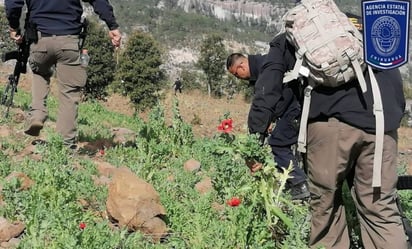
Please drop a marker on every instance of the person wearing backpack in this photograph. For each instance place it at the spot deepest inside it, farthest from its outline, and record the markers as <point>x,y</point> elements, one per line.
<point>284,135</point>
<point>341,137</point>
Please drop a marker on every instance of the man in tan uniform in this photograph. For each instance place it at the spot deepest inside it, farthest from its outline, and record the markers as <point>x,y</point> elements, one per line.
<point>58,25</point>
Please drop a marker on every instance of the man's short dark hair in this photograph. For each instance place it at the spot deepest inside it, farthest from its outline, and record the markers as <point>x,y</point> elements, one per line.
<point>231,59</point>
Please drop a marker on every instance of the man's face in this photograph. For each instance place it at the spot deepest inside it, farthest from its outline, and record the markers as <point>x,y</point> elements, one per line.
<point>240,69</point>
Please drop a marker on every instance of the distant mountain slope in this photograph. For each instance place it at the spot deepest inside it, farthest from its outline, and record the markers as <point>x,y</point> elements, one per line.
<point>180,25</point>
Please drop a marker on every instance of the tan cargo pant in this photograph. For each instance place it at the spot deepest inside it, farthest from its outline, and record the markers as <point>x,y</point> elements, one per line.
<point>63,52</point>
<point>333,149</point>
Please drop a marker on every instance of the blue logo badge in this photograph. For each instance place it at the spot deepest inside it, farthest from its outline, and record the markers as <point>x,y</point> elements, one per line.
<point>385,32</point>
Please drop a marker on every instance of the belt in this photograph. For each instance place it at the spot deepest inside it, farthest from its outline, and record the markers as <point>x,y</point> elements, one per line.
<point>324,119</point>
<point>51,35</point>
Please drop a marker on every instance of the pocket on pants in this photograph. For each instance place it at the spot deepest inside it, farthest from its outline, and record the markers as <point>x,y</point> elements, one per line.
<point>39,60</point>
<point>72,75</point>
<point>70,54</point>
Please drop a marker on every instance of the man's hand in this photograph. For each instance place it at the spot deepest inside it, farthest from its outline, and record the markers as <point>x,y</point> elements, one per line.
<point>270,128</point>
<point>116,37</point>
<point>253,166</point>
<point>15,35</point>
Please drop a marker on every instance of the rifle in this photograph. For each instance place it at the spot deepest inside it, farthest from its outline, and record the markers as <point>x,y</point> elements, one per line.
<point>83,33</point>
<point>21,55</point>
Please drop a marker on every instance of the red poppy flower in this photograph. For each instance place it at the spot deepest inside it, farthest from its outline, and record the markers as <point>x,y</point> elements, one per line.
<point>226,126</point>
<point>82,225</point>
<point>101,152</point>
<point>234,202</point>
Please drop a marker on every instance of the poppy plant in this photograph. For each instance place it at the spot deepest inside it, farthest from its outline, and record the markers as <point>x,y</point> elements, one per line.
<point>234,202</point>
<point>226,126</point>
<point>82,225</point>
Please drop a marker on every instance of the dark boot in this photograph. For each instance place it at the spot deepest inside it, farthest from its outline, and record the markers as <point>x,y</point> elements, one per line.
<point>299,191</point>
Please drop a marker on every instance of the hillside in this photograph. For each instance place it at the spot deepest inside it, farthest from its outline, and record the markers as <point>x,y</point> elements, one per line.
<point>176,170</point>
<point>204,112</point>
<point>51,198</point>
<point>181,25</point>
<point>170,183</point>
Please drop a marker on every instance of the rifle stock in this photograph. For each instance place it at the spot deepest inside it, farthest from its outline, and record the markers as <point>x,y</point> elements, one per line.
<point>10,56</point>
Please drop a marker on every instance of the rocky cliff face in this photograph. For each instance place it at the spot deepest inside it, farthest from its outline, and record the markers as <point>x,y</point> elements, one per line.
<point>248,12</point>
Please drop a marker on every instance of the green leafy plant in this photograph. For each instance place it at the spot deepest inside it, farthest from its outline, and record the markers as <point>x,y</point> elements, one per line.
<point>100,71</point>
<point>138,74</point>
<point>269,182</point>
<point>211,61</point>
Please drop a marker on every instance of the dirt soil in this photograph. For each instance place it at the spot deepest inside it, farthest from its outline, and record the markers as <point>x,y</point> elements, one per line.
<point>196,108</point>
<point>204,112</point>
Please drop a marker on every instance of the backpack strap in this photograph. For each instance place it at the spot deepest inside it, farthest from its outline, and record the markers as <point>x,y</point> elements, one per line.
<point>298,69</point>
<point>359,74</point>
<point>380,129</point>
<point>304,117</point>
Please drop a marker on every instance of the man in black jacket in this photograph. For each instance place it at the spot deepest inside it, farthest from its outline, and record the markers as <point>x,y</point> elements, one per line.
<point>178,86</point>
<point>287,113</point>
<point>341,137</point>
<point>57,25</point>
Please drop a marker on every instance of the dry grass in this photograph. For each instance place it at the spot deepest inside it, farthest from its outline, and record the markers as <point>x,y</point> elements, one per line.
<point>405,139</point>
<point>405,148</point>
<point>203,112</point>
<point>196,108</point>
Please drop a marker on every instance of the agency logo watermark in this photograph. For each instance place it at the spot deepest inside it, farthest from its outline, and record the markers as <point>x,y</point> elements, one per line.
<point>386,32</point>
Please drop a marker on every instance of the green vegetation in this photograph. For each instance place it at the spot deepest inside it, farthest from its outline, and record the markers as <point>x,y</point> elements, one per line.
<point>211,61</point>
<point>407,90</point>
<point>190,79</point>
<point>52,207</point>
<point>138,75</point>
<point>101,68</point>
<point>6,44</point>
<point>171,25</point>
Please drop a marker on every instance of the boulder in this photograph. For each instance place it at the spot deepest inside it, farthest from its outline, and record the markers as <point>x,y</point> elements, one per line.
<point>10,230</point>
<point>135,204</point>
<point>123,136</point>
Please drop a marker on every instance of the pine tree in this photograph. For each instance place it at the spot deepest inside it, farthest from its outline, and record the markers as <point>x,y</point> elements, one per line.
<point>211,61</point>
<point>100,72</point>
<point>6,44</point>
<point>139,75</point>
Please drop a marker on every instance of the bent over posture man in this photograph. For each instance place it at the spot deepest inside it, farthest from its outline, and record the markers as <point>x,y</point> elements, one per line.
<point>287,113</point>
<point>58,25</point>
<point>341,137</point>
